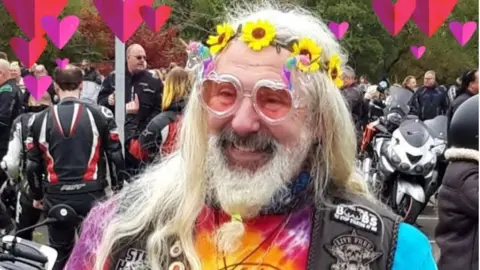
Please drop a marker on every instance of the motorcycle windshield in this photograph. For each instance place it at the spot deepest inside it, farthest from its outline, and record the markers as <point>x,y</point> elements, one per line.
<point>398,99</point>
<point>414,132</point>
<point>438,127</point>
<point>90,91</point>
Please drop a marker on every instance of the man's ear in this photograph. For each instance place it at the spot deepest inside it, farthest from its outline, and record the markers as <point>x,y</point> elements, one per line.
<point>80,86</point>
<point>56,88</point>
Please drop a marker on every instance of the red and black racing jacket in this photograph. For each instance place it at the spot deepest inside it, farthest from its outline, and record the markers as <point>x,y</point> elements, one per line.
<point>75,140</point>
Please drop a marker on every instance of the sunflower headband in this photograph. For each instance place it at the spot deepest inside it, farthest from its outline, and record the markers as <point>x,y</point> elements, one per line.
<point>305,53</point>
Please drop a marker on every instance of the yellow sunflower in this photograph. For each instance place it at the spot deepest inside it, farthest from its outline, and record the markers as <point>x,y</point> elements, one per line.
<point>334,70</point>
<point>308,47</point>
<point>258,35</point>
<point>225,33</point>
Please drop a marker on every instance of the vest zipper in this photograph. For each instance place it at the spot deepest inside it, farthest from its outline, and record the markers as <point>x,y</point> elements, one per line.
<point>315,231</point>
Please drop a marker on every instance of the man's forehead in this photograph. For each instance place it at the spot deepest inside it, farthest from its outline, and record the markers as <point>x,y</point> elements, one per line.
<point>137,51</point>
<point>238,55</point>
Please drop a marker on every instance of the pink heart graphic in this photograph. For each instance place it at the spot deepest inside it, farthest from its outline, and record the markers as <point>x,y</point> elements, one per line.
<point>418,51</point>
<point>28,52</point>
<point>155,19</point>
<point>62,63</point>
<point>122,17</point>
<point>60,32</point>
<point>463,32</point>
<point>37,87</point>
<point>429,15</point>
<point>393,16</point>
<point>338,30</point>
<point>28,13</point>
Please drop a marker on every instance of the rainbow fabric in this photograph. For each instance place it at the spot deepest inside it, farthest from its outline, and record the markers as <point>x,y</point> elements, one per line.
<point>285,242</point>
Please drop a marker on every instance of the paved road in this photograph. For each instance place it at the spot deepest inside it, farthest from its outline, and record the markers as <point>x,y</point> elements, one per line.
<point>428,220</point>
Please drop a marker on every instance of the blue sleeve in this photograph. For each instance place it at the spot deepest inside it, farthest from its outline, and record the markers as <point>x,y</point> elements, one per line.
<point>414,251</point>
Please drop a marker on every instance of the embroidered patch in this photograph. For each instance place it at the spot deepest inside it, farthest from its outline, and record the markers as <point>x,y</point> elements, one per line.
<point>106,112</point>
<point>357,216</point>
<point>148,90</point>
<point>352,251</point>
<point>135,259</point>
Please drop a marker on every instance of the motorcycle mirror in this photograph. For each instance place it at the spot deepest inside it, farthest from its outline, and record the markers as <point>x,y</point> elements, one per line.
<point>63,213</point>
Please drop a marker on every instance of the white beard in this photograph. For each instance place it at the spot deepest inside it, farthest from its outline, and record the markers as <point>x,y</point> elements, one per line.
<point>244,192</point>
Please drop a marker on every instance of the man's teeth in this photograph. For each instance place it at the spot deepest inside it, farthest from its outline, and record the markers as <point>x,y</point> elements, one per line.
<point>242,148</point>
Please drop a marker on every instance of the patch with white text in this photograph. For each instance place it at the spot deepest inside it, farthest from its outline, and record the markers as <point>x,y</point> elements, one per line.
<point>357,216</point>
<point>148,90</point>
<point>352,251</point>
<point>135,259</point>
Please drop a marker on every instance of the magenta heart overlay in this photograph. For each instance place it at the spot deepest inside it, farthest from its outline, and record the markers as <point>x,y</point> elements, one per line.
<point>463,32</point>
<point>418,51</point>
<point>122,17</point>
<point>62,63</point>
<point>60,32</point>
<point>155,19</point>
<point>37,87</point>
<point>394,16</point>
<point>337,29</point>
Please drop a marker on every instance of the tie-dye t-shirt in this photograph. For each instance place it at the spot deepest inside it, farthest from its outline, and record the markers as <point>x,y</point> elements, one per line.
<point>272,242</point>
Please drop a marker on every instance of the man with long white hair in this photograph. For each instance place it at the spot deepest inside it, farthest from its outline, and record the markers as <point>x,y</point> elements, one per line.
<point>263,178</point>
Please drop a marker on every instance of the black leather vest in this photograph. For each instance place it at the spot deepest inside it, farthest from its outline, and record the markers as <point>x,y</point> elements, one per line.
<point>352,235</point>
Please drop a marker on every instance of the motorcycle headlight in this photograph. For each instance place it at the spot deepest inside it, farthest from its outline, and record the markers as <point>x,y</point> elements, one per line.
<point>391,156</point>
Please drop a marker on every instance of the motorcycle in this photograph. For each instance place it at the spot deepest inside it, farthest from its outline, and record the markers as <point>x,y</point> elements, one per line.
<point>19,254</point>
<point>389,116</point>
<point>405,158</point>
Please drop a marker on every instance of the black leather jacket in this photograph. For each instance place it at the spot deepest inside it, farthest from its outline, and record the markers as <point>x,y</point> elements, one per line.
<point>428,103</point>
<point>75,140</point>
<point>148,89</point>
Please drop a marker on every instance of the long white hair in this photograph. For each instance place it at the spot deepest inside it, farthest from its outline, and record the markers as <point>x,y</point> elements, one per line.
<point>166,200</point>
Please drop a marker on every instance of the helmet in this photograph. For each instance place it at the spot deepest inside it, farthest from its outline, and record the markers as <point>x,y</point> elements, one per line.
<point>463,130</point>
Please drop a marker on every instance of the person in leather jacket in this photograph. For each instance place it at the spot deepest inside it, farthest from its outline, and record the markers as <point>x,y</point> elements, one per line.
<point>354,98</point>
<point>457,228</point>
<point>75,140</point>
<point>264,177</point>
<point>10,108</point>
<point>17,193</point>
<point>430,100</point>
<point>139,83</point>
<point>159,137</point>
<point>90,73</point>
<point>468,89</point>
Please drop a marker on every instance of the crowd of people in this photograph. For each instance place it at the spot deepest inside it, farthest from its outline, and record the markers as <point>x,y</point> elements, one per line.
<point>244,158</point>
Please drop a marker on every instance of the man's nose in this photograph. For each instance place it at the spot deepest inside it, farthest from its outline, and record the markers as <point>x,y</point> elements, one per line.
<point>245,119</point>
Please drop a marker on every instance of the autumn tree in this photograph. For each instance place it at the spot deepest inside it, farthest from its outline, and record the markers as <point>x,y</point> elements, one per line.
<point>162,47</point>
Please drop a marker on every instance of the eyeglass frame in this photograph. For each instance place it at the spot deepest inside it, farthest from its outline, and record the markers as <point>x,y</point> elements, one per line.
<point>241,94</point>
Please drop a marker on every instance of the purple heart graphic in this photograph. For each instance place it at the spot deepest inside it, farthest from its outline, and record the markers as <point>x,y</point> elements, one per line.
<point>60,32</point>
<point>37,87</point>
<point>62,63</point>
<point>463,32</point>
<point>338,30</point>
<point>418,51</point>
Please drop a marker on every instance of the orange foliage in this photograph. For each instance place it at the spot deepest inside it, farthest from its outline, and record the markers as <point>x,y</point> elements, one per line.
<point>162,47</point>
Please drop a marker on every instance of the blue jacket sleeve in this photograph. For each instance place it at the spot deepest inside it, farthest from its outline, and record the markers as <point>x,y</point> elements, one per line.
<point>414,251</point>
